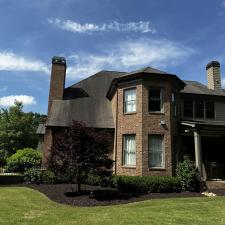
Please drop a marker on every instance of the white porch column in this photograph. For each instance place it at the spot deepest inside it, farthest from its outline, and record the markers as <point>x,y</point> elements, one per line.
<point>198,152</point>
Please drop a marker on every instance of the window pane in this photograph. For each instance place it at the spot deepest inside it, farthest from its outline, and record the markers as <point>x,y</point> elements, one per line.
<point>155,100</point>
<point>188,108</point>
<point>129,151</point>
<point>130,100</point>
<point>199,108</point>
<point>210,111</point>
<point>156,154</point>
<point>174,102</point>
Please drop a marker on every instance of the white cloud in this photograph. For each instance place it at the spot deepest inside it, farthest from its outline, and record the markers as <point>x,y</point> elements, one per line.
<point>223,3</point>
<point>72,26</point>
<point>129,55</point>
<point>10,61</point>
<point>8,101</point>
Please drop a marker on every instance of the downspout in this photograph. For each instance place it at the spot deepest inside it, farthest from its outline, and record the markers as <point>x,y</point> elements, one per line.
<point>116,131</point>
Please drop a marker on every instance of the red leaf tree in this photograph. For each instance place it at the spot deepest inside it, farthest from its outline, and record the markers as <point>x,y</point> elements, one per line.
<point>79,151</point>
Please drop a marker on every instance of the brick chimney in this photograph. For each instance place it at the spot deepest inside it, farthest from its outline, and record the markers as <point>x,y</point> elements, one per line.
<point>57,82</point>
<point>213,75</point>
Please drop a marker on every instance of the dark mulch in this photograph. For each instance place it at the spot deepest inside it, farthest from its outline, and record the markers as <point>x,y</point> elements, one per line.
<point>63,193</point>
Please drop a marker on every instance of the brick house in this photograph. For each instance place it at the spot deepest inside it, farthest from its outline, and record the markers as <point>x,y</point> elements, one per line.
<point>155,117</point>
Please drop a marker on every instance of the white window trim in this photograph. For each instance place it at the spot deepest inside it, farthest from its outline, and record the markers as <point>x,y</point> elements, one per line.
<point>123,151</point>
<point>124,101</point>
<point>163,152</point>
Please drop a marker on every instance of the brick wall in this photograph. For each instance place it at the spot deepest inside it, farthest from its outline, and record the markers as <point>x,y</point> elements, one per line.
<point>142,124</point>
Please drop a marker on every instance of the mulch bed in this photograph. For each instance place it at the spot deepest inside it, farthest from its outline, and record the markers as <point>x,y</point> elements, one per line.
<point>61,193</point>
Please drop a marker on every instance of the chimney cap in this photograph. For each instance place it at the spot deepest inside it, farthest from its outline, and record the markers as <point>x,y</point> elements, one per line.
<point>213,64</point>
<point>58,60</point>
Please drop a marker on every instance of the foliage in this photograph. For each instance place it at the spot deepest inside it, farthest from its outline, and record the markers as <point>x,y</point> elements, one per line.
<point>154,184</point>
<point>33,175</point>
<point>3,157</point>
<point>17,128</point>
<point>79,151</point>
<point>24,159</point>
<point>48,177</point>
<point>188,175</point>
<point>11,179</point>
<point>38,176</point>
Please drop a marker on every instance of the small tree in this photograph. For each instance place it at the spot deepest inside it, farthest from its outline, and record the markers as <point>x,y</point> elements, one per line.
<point>80,150</point>
<point>188,175</point>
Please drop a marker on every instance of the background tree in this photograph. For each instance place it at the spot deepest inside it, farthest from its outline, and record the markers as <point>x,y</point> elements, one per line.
<point>17,129</point>
<point>80,151</point>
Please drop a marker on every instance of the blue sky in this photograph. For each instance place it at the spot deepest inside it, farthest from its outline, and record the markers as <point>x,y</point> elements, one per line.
<point>180,37</point>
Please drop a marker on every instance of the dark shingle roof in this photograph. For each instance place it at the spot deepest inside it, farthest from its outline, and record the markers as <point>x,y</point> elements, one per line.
<point>95,110</point>
<point>194,87</point>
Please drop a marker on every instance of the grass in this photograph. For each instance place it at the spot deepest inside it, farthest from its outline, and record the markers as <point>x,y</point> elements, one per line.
<point>19,205</point>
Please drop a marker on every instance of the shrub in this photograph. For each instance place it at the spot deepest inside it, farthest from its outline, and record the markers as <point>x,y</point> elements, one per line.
<point>146,184</point>
<point>188,175</point>
<point>93,180</point>
<point>33,175</point>
<point>48,177</point>
<point>38,176</point>
<point>24,159</point>
<point>11,179</point>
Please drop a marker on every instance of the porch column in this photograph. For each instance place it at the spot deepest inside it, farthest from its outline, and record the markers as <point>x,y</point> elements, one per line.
<point>198,151</point>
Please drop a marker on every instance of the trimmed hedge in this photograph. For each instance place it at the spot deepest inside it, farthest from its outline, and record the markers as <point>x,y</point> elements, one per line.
<point>154,184</point>
<point>11,179</point>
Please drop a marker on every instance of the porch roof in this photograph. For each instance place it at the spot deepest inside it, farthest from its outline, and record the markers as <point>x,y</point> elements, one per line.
<point>203,123</point>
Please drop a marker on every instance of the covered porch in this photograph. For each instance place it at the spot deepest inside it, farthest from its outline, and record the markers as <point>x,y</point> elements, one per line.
<point>204,142</point>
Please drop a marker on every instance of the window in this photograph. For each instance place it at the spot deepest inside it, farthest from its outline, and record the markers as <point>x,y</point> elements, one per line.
<point>188,108</point>
<point>129,150</point>
<point>155,100</point>
<point>130,100</point>
<point>174,103</point>
<point>156,151</point>
<point>209,110</point>
<point>199,109</point>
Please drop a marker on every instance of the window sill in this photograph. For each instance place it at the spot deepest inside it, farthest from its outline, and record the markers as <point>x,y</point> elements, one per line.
<point>129,113</point>
<point>156,169</point>
<point>128,167</point>
<point>156,113</point>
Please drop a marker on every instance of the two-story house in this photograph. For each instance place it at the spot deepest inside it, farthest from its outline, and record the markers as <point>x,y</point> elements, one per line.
<point>155,117</point>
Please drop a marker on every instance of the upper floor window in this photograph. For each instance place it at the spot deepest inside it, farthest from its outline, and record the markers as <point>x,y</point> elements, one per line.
<point>155,100</point>
<point>174,104</point>
<point>201,109</point>
<point>130,100</point>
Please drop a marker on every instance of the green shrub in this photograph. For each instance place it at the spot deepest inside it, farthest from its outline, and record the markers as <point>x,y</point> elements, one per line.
<point>93,180</point>
<point>48,177</point>
<point>33,175</point>
<point>11,179</point>
<point>38,176</point>
<point>157,184</point>
<point>188,175</point>
<point>24,159</point>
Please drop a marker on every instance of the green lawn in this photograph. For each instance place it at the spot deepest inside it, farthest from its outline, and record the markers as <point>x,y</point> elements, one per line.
<point>20,205</point>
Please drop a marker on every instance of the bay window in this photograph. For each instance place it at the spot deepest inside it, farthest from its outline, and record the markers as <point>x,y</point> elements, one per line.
<point>155,100</point>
